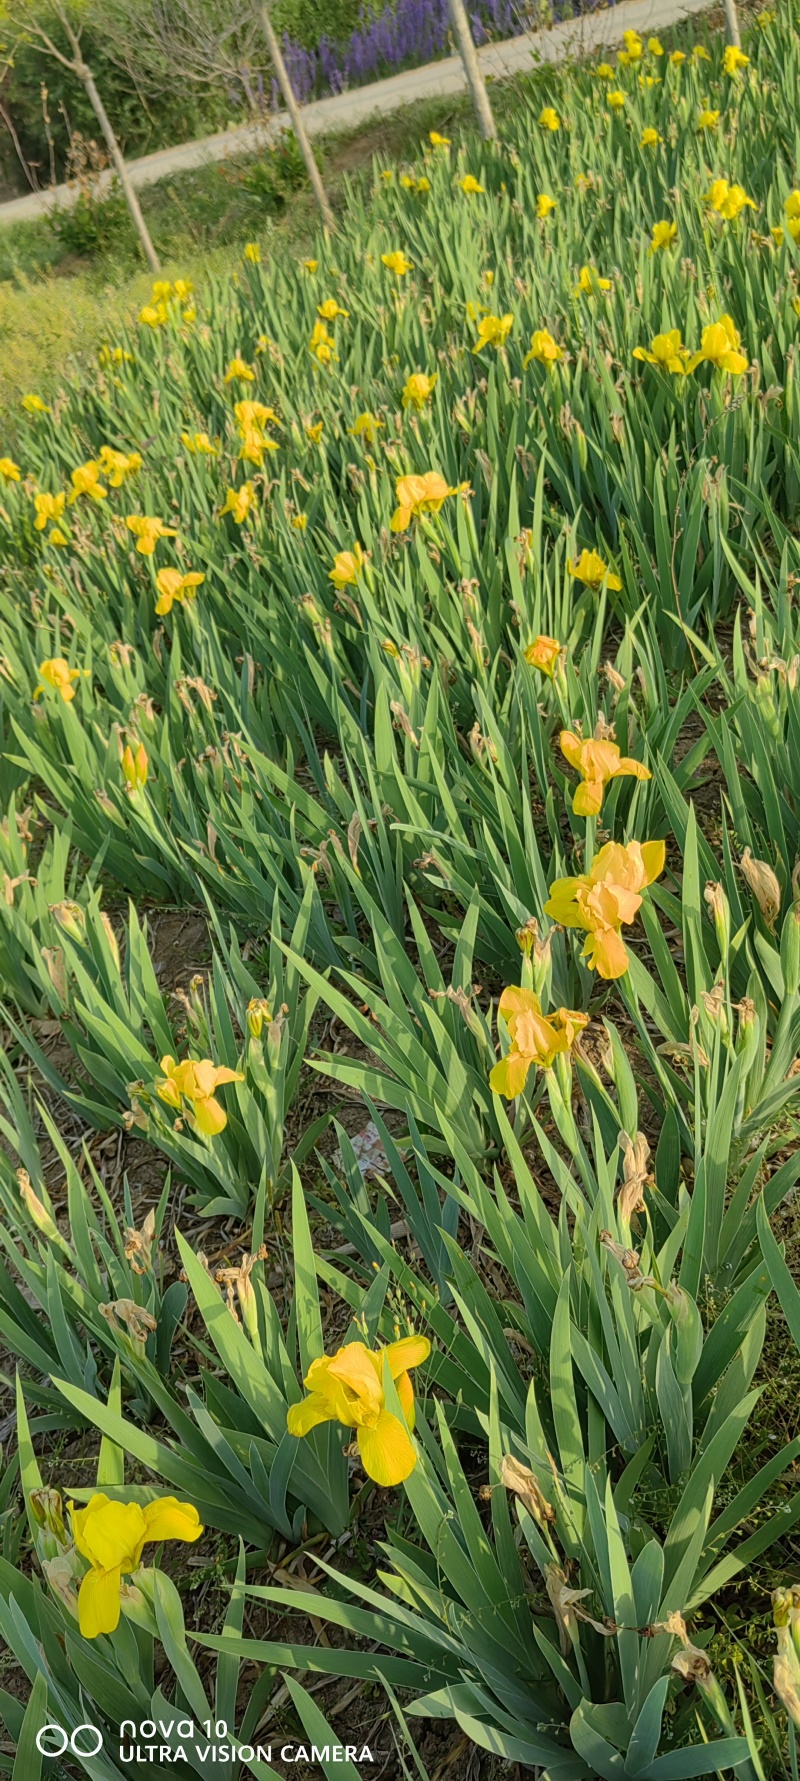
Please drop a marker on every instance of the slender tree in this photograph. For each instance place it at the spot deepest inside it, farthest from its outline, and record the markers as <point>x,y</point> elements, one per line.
<point>472,69</point>
<point>732,32</point>
<point>29,23</point>
<point>296,116</point>
<point>204,43</point>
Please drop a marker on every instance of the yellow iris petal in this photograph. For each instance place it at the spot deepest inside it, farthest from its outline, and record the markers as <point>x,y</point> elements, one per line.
<point>405,1393</point>
<point>109,1534</point>
<point>99,1603</point>
<point>588,799</point>
<point>606,953</point>
<point>302,1418</point>
<point>209,1116</point>
<point>654,855</point>
<point>387,1451</point>
<point>509,1076</point>
<point>410,1351</point>
<point>168,1519</point>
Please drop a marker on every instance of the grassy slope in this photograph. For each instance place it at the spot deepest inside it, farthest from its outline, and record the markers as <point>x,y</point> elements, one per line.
<point>56,308</point>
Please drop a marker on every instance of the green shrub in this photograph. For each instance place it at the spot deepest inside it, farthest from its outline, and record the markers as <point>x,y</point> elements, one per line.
<point>96,223</point>
<point>281,172</point>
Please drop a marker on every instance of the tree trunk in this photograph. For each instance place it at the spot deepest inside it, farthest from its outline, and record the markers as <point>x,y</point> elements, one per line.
<point>85,74</point>
<point>732,31</point>
<point>472,69</point>
<point>9,124</point>
<point>297,118</point>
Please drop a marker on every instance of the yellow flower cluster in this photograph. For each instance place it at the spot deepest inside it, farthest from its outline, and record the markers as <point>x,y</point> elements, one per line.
<point>166,301</point>
<point>720,346</point>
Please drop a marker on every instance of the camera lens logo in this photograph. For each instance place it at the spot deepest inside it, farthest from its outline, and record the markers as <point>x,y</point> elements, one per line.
<point>53,1740</point>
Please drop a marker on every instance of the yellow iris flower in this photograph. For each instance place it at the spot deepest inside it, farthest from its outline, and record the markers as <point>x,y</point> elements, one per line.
<point>254,414</point>
<point>472,186</point>
<point>536,1038</point>
<point>708,119</point>
<point>86,481</point>
<point>252,253</point>
<point>239,370</point>
<point>664,235</point>
<point>544,205</point>
<point>114,355</point>
<point>254,444</point>
<point>147,530</point>
<point>195,1081</point>
<point>397,262</point>
<point>549,118</point>
<point>616,100</point>
<point>238,503</point>
<point>417,389</point>
<point>593,572</point>
<point>112,1537</point>
<point>330,309</point>
<point>347,1387</point>
<point>35,405</point>
<point>720,347</point>
<point>9,471</point>
<point>543,348</point>
<point>589,283</point>
<point>417,495</point>
<point>172,586</point>
<point>606,898</point>
<point>200,445</point>
<point>309,267</point>
<point>543,653</point>
<point>792,209</point>
<point>49,509</point>
<point>597,763</point>
<point>666,353</point>
<point>117,465</point>
<point>154,315</point>
<point>727,200</point>
<point>57,674</point>
<point>734,59</point>
<point>365,426</point>
<point>493,330</point>
<point>347,566</point>
<point>322,345</point>
<point>649,138</point>
<point>438,141</point>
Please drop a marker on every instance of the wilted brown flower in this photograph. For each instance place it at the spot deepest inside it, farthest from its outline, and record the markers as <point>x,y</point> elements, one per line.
<point>139,1244</point>
<point>635,1177</point>
<point>522,1483</point>
<point>761,880</point>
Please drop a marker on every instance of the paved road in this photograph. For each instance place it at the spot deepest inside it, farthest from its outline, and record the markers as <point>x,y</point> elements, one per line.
<point>437,80</point>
